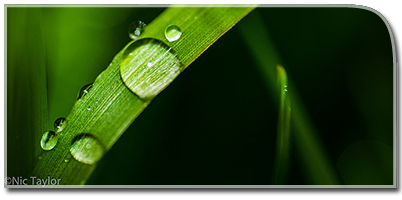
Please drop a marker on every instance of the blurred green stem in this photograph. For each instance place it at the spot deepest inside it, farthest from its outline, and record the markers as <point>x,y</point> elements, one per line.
<point>283,137</point>
<point>308,146</point>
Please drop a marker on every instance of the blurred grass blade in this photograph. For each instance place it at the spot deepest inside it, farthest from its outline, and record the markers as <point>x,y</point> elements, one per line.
<point>283,136</point>
<point>100,117</point>
<point>27,107</point>
<point>316,163</point>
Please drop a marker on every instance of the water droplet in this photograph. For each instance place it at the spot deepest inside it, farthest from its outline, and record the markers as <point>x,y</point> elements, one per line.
<point>49,140</point>
<point>148,66</point>
<point>39,157</point>
<point>84,90</point>
<point>172,33</point>
<point>89,108</point>
<point>59,124</point>
<point>135,29</point>
<point>66,160</point>
<point>87,149</point>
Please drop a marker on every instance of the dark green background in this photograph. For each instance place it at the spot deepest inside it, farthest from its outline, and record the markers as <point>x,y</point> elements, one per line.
<point>216,123</point>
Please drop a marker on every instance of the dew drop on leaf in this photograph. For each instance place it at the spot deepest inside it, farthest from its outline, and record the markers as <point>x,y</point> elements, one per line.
<point>148,66</point>
<point>49,140</point>
<point>84,90</point>
<point>59,124</point>
<point>87,149</point>
<point>172,33</point>
<point>135,29</point>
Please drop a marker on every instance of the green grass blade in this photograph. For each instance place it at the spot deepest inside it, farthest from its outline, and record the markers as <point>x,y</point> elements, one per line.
<point>101,116</point>
<point>27,106</point>
<point>283,135</point>
<point>316,163</point>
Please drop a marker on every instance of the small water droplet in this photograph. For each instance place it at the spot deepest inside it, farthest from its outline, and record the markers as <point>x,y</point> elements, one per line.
<point>172,33</point>
<point>49,140</point>
<point>59,124</point>
<point>87,149</point>
<point>135,29</point>
<point>39,157</point>
<point>149,64</point>
<point>66,160</point>
<point>84,90</point>
<point>89,108</point>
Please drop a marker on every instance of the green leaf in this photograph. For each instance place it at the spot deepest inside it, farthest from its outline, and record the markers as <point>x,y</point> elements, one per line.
<point>27,106</point>
<point>283,135</point>
<point>101,116</point>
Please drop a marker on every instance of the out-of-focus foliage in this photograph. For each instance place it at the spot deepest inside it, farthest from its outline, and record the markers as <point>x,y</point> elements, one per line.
<point>216,123</point>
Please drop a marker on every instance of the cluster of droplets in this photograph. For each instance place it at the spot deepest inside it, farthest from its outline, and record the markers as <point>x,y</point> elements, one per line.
<point>172,32</point>
<point>50,138</point>
<point>85,148</point>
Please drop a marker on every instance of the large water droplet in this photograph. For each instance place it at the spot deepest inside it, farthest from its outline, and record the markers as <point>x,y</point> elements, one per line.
<point>135,29</point>
<point>84,90</point>
<point>59,124</point>
<point>49,140</point>
<point>87,149</point>
<point>148,66</point>
<point>172,33</point>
